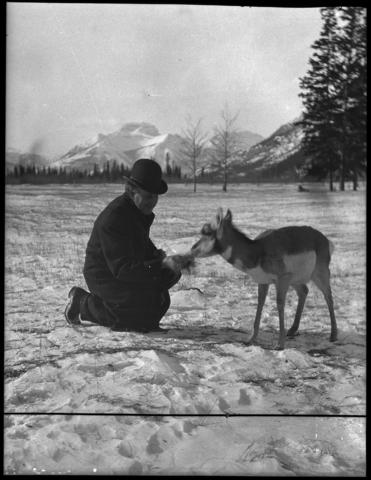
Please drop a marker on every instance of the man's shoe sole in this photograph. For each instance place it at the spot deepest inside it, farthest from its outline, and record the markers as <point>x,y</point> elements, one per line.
<point>75,319</point>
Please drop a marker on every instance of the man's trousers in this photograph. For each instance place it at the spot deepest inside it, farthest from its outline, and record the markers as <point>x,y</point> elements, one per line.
<point>115,305</point>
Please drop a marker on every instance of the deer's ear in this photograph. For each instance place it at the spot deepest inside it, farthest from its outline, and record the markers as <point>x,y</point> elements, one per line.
<point>219,217</point>
<point>228,216</point>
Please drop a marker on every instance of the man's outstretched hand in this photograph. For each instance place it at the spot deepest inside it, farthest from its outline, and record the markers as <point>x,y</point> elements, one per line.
<point>179,262</point>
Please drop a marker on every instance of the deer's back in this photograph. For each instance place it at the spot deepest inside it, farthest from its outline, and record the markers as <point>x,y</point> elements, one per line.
<point>292,240</point>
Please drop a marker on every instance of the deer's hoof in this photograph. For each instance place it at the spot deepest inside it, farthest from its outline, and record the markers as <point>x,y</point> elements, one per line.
<point>292,333</point>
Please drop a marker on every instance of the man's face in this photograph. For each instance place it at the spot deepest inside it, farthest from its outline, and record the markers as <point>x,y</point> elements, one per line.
<point>145,201</point>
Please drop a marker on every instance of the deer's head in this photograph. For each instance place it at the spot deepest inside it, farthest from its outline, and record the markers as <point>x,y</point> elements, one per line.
<point>213,236</point>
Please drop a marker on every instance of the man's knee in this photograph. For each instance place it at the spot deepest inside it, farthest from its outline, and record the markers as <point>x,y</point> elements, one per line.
<point>128,307</point>
<point>165,301</point>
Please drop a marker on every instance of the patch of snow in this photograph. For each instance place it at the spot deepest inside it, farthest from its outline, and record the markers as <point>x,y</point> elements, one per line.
<point>201,366</point>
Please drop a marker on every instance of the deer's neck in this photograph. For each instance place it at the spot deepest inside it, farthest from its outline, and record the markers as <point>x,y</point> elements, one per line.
<point>239,250</point>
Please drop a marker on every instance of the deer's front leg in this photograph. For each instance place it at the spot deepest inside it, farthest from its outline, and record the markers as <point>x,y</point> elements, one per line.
<point>282,285</point>
<point>302,291</point>
<point>262,295</point>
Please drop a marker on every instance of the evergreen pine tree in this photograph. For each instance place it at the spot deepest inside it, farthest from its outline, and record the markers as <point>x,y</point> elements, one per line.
<point>319,99</point>
<point>168,169</point>
<point>114,173</point>
<point>352,92</point>
<point>334,97</point>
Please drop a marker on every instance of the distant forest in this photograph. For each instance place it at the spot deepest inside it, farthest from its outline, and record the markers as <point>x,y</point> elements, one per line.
<point>111,173</point>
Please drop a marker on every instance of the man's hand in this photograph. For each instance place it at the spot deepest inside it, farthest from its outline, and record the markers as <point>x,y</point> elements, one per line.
<point>179,262</point>
<point>160,253</point>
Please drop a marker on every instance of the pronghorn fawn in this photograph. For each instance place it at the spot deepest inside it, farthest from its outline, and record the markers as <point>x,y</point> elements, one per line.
<point>288,256</point>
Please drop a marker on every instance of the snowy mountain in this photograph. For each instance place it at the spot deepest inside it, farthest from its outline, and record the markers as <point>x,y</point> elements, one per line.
<point>132,141</point>
<point>135,140</point>
<point>246,140</point>
<point>279,155</point>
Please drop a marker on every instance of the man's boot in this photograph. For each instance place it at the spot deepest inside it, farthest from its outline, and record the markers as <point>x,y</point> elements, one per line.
<point>72,311</point>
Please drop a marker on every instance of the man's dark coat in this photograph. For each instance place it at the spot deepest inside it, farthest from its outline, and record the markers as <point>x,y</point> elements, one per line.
<point>119,247</point>
<point>123,268</point>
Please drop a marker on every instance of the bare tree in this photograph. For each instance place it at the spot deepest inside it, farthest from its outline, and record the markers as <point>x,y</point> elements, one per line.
<point>194,142</point>
<point>225,142</point>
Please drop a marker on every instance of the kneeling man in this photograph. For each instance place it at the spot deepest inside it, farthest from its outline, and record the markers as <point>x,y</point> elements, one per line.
<point>123,269</point>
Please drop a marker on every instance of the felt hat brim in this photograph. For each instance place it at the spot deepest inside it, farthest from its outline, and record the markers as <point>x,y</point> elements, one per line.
<point>159,190</point>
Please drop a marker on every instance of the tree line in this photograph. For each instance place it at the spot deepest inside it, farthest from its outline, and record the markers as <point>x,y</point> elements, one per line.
<point>112,172</point>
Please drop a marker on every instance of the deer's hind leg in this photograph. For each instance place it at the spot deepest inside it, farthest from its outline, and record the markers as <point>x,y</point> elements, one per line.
<point>321,277</point>
<point>302,292</point>
<point>282,285</point>
<point>262,295</point>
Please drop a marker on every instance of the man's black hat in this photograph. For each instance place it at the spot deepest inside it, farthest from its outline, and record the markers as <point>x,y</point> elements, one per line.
<point>147,174</point>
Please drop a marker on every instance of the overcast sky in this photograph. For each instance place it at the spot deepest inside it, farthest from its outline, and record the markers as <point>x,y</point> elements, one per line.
<point>75,70</point>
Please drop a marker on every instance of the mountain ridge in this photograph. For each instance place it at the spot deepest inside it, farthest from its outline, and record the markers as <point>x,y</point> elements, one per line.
<point>255,155</point>
<point>132,141</point>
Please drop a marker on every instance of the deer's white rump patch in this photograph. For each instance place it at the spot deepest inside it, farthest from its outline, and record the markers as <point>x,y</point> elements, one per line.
<point>301,265</point>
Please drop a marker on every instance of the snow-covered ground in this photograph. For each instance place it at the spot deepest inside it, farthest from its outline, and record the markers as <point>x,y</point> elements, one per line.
<point>58,378</point>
